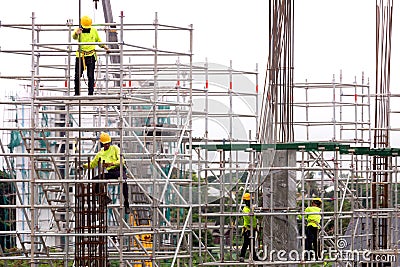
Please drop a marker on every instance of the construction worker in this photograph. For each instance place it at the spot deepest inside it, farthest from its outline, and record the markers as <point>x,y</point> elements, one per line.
<point>86,54</point>
<point>110,155</point>
<point>313,225</point>
<point>246,229</point>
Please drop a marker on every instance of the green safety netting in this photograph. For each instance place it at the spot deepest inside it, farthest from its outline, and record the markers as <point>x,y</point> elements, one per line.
<point>7,215</point>
<point>15,140</point>
<point>45,123</point>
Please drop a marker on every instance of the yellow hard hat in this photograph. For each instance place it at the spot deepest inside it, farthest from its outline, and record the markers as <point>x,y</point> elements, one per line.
<point>317,199</point>
<point>105,138</point>
<point>86,22</point>
<point>246,196</point>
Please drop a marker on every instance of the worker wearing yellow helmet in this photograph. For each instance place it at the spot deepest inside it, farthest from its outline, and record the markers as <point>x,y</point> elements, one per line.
<point>86,53</point>
<point>249,223</point>
<point>110,155</point>
<point>313,225</point>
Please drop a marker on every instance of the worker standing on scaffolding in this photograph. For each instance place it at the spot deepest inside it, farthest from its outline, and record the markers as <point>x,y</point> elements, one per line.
<point>248,235</point>
<point>313,225</point>
<point>86,54</point>
<point>110,155</point>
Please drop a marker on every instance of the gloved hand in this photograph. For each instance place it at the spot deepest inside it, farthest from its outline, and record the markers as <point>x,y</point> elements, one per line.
<point>106,165</point>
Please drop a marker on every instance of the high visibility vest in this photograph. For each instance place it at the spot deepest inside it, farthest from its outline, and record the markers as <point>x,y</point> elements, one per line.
<point>246,219</point>
<point>313,219</point>
<point>90,37</point>
<point>111,155</point>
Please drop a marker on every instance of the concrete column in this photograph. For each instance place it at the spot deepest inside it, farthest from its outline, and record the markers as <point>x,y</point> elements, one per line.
<point>279,192</point>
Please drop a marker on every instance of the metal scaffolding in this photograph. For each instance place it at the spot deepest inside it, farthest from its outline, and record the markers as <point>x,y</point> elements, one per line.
<point>147,102</point>
<point>193,143</point>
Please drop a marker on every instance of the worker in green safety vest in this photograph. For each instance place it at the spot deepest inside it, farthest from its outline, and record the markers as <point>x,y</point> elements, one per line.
<point>248,238</point>
<point>86,55</point>
<point>313,225</point>
<point>110,155</point>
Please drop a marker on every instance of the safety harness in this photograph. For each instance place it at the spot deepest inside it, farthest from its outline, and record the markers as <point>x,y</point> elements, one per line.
<point>86,54</point>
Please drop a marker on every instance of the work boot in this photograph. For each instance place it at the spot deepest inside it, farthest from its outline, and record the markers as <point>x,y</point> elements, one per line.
<point>127,209</point>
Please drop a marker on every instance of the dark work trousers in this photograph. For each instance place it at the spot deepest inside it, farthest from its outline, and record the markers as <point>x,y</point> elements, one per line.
<point>90,62</point>
<point>114,174</point>
<point>246,244</point>
<point>312,239</point>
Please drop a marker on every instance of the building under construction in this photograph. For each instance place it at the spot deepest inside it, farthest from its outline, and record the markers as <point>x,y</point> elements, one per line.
<point>194,138</point>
